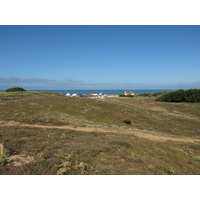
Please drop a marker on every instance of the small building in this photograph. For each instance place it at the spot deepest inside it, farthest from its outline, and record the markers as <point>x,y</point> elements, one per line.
<point>128,93</point>
<point>68,94</point>
<point>74,95</point>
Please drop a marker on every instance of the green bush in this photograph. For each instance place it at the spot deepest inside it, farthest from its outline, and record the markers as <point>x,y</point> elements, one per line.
<point>4,158</point>
<point>144,94</point>
<point>122,95</point>
<point>129,95</point>
<point>151,94</point>
<point>191,95</point>
<point>127,121</point>
<point>16,89</point>
<point>3,161</point>
<point>10,152</point>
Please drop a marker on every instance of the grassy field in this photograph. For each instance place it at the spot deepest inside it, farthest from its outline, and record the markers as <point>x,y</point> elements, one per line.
<point>135,148</point>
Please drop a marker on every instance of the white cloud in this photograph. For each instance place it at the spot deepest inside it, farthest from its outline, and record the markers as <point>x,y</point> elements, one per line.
<point>68,83</point>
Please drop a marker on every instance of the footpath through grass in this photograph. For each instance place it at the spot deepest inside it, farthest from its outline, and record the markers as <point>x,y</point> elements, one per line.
<point>54,151</point>
<point>71,152</point>
<point>179,119</point>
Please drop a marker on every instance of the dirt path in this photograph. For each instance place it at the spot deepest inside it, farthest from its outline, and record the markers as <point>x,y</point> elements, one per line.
<point>150,136</point>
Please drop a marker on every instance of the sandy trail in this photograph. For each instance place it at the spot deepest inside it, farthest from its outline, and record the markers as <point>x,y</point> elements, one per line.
<point>150,136</point>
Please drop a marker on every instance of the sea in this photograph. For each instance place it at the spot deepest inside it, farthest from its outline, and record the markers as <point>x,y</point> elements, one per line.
<point>108,92</point>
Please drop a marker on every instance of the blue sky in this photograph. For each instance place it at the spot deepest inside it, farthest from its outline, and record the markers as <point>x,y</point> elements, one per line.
<point>100,57</point>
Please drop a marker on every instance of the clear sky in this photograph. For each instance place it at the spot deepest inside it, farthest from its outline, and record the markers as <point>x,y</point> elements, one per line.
<point>100,57</point>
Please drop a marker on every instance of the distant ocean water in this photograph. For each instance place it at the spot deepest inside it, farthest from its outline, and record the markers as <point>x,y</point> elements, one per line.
<point>108,92</point>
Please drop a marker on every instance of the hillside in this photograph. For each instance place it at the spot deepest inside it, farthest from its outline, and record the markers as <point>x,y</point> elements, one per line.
<point>48,133</point>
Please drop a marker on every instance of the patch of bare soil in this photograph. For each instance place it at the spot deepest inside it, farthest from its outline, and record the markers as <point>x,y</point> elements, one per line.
<point>174,113</point>
<point>17,160</point>
<point>113,96</point>
<point>150,136</point>
<point>183,115</point>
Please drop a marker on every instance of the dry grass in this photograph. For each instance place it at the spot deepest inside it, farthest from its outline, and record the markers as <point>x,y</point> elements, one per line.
<point>59,151</point>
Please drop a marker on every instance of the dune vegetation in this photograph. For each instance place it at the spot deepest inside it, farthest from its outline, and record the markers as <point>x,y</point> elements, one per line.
<point>191,96</point>
<point>49,133</point>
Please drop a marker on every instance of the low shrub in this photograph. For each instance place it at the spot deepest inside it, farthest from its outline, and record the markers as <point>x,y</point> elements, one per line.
<point>16,89</point>
<point>144,94</point>
<point>151,94</point>
<point>127,121</point>
<point>191,95</point>
<point>3,160</point>
<point>129,95</point>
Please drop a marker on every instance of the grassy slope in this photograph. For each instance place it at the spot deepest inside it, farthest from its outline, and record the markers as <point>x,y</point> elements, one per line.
<point>72,152</point>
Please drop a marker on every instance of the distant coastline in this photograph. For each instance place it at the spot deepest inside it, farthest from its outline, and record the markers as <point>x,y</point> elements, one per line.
<point>108,92</point>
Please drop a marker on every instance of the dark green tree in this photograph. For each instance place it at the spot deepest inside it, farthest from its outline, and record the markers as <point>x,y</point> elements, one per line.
<point>16,89</point>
